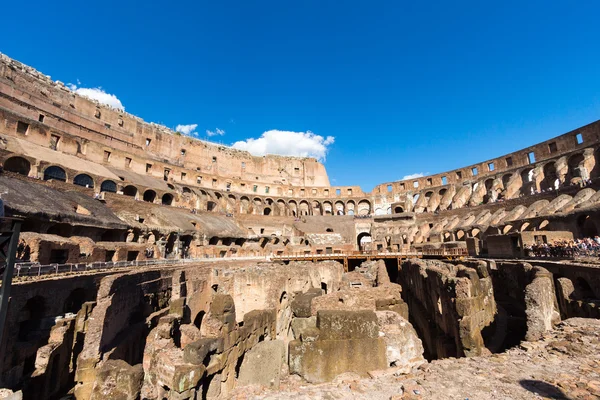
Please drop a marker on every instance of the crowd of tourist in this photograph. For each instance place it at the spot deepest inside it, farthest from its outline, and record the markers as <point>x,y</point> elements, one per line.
<point>588,247</point>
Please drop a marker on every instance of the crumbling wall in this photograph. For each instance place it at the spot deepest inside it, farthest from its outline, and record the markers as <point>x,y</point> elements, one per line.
<point>273,286</point>
<point>33,312</point>
<point>117,326</point>
<point>177,365</point>
<point>526,301</point>
<point>449,306</point>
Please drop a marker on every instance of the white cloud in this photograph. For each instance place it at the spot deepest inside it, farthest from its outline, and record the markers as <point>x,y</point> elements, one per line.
<point>414,176</point>
<point>287,143</point>
<point>219,132</point>
<point>189,130</point>
<point>97,94</point>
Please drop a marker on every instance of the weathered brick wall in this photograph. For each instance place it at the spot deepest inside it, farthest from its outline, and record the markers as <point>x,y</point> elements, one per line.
<point>450,305</point>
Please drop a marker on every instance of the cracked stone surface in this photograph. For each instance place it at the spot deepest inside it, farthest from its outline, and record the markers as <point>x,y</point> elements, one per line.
<point>564,364</point>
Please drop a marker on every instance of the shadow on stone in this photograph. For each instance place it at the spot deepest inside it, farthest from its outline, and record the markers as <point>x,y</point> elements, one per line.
<point>544,389</point>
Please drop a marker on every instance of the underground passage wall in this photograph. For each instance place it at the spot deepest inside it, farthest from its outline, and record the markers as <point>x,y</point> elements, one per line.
<point>477,307</point>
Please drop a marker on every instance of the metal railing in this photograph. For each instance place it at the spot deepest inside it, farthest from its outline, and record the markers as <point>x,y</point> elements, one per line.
<point>347,254</point>
<point>375,253</point>
<point>446,252</point>
<point>31,269</point>
<point>25,269</point>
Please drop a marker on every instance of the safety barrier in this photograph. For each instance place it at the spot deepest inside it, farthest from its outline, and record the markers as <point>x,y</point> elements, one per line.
<point>37,269</point>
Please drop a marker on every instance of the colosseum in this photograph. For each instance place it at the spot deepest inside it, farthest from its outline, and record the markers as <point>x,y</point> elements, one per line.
<point>145,264</point>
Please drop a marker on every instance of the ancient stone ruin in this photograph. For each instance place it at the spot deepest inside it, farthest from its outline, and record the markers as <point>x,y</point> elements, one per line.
<point>155,266</point>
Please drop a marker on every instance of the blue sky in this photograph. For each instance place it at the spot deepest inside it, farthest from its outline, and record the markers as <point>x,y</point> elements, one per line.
<point>403,87</point>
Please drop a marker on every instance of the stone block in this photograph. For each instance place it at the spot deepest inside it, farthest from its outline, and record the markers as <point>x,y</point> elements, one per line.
<point>177,307</point>
<point>322,360</point>
<point>189,333</point>
<point>310,334</point>
<point>391,304</point>
<point>196,352</point>
<point>299,325</point>
<point>262,364</point>
<point>222,304</point>
<point>186,377</point>
<point>301,305</point>
<point>540,303</point>
<point>342,325</point>
<point>117,380</point>
<point>404,349</point>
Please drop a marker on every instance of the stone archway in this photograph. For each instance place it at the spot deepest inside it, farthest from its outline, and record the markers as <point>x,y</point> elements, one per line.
<point>18,165</point>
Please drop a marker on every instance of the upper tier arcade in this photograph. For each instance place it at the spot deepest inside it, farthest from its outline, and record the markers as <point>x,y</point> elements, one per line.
<point>49,132</point>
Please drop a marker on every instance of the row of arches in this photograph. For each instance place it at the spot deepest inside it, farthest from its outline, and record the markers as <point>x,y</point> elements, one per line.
<point>22,166</point>
<point>299,208</point>
<point>536,178</point>
<point>204,200</point>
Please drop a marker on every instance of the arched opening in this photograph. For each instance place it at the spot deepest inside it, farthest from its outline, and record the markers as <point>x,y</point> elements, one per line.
<point>64,230</point>
<point>30,318</point>
<point>266,211</point>
<point>576,166</point>
<point>55,173</point>
<point>327,208</point>
<point>111,235</point>
<point>84,180</point>
<point>398,210</point>
<point>460,235</point>
<point>75,300</point>
<point>528,186</point>
<point>18,165</point>
<point>583,290</point>
<point>304,208</point>
<point>108,186</point>
<point>543,224</point>
<point>244,205</point>
<point>210,205</point>
<point>167,199</point>
<point>198,319</point>
<point>281,207</point>
<point>149,196</point>
<point>339,208</point>
<point>130,190</point>
<point>186,189</point>
<point>362,240</point>
<point>506,180</point>
<point>364,207</point>
<point>316,208</point>
<point>329,230</point>
<point>550,177</point>
<point>489,195</point>
<point>587,227</point>
<point>170,246</point>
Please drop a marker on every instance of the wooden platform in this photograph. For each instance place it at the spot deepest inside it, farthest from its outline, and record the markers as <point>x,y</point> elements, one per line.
<point>345,257</point>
